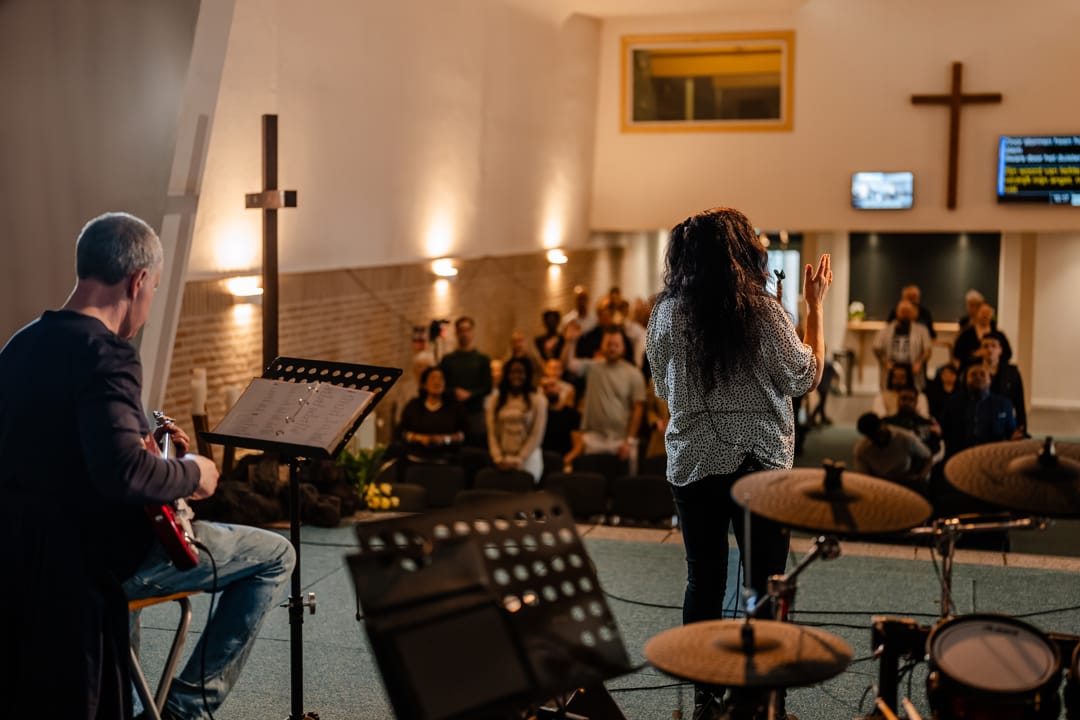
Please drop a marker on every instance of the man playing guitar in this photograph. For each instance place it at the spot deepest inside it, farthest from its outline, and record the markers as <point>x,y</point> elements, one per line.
<point>75,477</point>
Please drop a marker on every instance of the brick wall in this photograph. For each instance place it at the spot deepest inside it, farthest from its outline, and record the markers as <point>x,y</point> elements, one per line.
<point>366,315</point>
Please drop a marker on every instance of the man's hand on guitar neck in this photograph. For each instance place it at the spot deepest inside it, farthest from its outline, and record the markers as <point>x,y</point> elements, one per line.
<point>179,438</point>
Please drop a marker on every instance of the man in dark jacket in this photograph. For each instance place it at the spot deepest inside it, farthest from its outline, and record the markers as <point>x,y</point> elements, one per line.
<point>74,475</point>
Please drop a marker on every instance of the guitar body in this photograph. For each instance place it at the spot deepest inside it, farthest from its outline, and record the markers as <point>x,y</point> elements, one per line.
<point>174,531</point>
<point>172,521</point>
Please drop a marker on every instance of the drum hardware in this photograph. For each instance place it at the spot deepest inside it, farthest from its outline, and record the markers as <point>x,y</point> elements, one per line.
<point>946,531</point>
<point>782,587</point>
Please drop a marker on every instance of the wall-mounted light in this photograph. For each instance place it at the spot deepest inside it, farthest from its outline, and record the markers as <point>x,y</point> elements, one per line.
<point>556,256</point>
<point>245,288</point>
<point>444,267</point>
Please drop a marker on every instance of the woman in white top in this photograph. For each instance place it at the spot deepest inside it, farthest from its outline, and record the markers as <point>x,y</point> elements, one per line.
<point>516,418</point>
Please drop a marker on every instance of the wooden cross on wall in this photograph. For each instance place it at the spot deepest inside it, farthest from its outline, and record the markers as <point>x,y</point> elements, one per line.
<point>269,200</point>
<point>955,100</point>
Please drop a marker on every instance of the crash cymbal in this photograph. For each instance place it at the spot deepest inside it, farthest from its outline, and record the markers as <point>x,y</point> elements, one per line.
<point>1033,476</point>
<point>774,655</point>
<point>831,501</point>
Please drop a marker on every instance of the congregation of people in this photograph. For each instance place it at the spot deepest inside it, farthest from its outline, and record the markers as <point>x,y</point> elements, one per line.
<point>582,386</point>
<point>578,387</point>
<point>919,420</point>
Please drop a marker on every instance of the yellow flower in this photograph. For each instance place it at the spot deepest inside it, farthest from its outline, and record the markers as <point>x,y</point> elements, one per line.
<point>395,501</point>
<point>385,503</point>
<point>385,489</point>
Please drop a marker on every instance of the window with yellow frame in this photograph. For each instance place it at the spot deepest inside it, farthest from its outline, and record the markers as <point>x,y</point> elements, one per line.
<point>708,82</point>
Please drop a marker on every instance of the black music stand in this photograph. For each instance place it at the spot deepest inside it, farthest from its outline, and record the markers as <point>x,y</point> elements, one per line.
<point>377,380</point>
<point>482,610</point>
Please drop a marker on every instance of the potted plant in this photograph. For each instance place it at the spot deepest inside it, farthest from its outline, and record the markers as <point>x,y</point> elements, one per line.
<point>361,467</point>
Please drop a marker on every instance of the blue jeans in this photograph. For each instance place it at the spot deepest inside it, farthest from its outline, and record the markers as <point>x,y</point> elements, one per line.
<point>705,509</point>
<point>253,569</point>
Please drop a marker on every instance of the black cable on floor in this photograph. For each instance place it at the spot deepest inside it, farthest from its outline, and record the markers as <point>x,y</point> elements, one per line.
<point>206,634</point>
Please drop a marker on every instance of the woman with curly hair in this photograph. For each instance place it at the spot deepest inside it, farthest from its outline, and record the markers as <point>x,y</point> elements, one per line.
<point>727,360</point>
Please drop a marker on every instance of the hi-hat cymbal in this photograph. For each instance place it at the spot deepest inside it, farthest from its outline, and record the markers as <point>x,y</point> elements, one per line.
<point>831,501</point>
<point>1034,476</point>
<point>775,655</point>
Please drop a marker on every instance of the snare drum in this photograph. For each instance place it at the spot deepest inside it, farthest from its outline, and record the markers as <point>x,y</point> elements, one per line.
<point>992,667</point>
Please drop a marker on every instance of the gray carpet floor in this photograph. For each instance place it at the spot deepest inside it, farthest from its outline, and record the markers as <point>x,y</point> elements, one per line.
<point>644,581</point>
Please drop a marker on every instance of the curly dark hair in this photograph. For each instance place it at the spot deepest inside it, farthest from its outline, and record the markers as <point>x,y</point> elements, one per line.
<point>715,270</point>
<point>504,382</point>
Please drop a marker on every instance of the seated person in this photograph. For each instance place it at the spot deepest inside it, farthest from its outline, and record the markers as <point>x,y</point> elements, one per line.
<point>892,453</point>
<point>940,389</point>
<point>975,416</point>
<point>516,415</point>
<point>433,424</point>
<point>563,417</point>
<point>887,401</point>
<point>1004,378</point>
<point>924,428</point>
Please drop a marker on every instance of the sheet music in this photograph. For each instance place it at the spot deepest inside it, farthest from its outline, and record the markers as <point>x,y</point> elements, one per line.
<point>309,414</point>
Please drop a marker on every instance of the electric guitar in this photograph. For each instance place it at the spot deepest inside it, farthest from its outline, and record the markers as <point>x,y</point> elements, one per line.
<point>172,521</point>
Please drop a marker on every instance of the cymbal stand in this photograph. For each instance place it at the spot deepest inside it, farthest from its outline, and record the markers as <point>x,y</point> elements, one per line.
<point>946,531</point>
<point>782,587</point>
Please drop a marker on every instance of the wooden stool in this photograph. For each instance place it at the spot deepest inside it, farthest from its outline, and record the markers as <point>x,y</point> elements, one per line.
<point>152,706</point>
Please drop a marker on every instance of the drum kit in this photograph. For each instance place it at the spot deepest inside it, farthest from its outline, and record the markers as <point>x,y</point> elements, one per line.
<point>981,666</point>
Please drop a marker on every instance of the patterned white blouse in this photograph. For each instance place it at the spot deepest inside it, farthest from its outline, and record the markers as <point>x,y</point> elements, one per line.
<point>749,413</point>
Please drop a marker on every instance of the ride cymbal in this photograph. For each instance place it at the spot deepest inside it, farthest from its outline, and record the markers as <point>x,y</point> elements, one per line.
<point>1041,477</point>
<point>773,655</point>
<point>831,501</point>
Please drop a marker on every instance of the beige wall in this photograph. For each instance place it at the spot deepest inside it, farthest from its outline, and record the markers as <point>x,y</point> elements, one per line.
<point>856,65</point>
<point>91,96</point>
<point>411,129</point>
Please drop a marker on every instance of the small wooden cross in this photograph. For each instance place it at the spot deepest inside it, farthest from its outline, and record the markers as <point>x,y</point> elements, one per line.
<point>955,100</point>
<point>269,200</point>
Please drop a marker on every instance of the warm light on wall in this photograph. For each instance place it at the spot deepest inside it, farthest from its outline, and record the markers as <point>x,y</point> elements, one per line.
<point>243,313</point>
<point>444,268</point>
<point>556,256</point>
<point>245,286</point>
<point>237,245</point>
<point>440,233</point>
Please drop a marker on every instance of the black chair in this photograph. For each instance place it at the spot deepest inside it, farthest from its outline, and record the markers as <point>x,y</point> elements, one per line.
<point>586,493</point>
<point>441,482</point>
<point>642,497</point>
<point>610,466</point>
<point>655,465</point>
<point>470,496</point>
<point>411,498</point>
<point>491,478</point>
<point>473,460</point>
<point>552,463</point>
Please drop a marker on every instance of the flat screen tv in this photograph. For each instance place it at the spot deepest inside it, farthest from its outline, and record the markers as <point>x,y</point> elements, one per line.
<point>882,190</point>
<point>1042,169</point>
